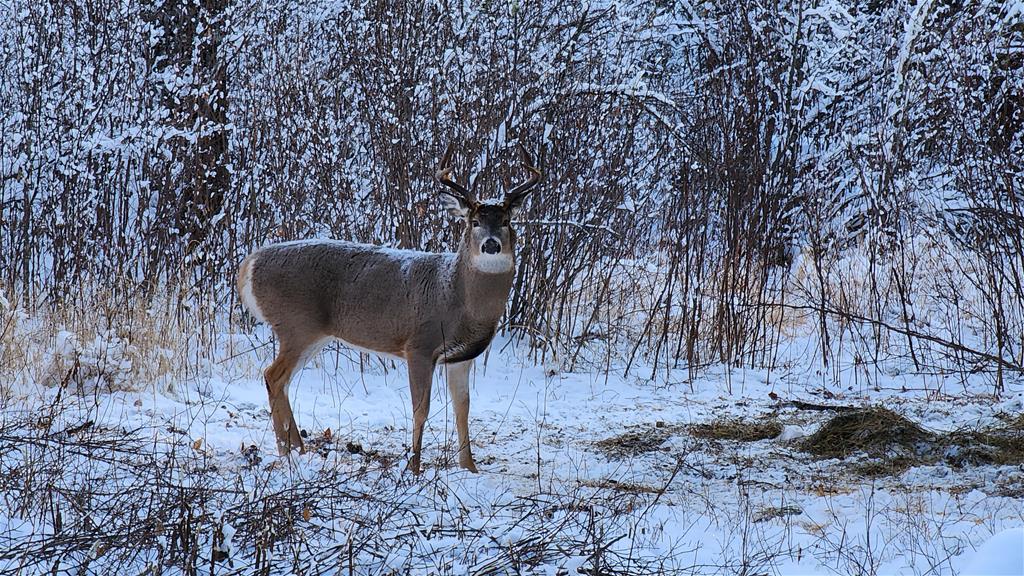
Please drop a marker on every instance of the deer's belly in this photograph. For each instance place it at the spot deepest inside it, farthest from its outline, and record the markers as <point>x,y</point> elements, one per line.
<point>390,350</point>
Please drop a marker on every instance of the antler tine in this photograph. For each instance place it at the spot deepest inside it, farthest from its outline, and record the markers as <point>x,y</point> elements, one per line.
<point>443,176</point>
<point>523,188</point>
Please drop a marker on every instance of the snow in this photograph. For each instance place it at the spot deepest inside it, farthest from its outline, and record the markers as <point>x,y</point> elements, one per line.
<point>1000,555</point>
<point>791,433</point>
<point>536,431</point>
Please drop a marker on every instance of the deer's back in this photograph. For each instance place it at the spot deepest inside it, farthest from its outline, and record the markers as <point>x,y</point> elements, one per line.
<point>369,296</point>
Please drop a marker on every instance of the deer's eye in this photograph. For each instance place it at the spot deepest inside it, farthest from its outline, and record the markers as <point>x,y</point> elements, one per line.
<point>476,223</point>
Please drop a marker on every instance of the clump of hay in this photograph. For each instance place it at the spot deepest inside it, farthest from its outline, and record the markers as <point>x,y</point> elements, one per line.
<point>738,430</point>
<point>876,431</point>
<point>896,444</point>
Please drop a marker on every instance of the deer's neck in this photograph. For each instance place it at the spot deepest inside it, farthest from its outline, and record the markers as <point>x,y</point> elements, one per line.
<point>483,293</point>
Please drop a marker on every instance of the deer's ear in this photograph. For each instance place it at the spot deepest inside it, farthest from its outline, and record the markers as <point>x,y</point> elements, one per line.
<point>455,206</point>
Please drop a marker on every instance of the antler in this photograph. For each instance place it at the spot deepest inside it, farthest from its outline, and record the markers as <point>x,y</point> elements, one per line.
<point>514,196</point>
<point>443,176</point>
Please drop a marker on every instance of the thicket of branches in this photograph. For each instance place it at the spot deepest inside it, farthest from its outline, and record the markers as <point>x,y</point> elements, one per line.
<point>122,502</point>
<point>714,173</point>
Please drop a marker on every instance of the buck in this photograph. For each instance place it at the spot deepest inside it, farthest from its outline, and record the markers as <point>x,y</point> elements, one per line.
<point>424,307</point>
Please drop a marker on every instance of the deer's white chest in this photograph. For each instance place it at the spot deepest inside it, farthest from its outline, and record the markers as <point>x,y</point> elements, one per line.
<point>499,263</point>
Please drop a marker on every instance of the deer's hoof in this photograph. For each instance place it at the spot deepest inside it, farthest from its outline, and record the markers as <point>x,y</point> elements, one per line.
<point>468,464</point>
<point>285,448</point>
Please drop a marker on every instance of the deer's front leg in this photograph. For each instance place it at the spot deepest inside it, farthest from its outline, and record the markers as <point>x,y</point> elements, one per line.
<point>421,371</point>
<point>458,389</point>
<point>277,377</point>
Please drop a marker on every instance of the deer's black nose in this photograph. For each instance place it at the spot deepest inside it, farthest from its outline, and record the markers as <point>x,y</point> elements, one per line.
<point>491,246</point>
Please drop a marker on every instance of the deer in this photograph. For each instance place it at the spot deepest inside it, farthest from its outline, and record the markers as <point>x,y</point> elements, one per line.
<point>427,308</point>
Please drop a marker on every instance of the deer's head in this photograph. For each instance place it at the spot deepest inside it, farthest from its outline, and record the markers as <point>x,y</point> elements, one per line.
<point>489,237</point>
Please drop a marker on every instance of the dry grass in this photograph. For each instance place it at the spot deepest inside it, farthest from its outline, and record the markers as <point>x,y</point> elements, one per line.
<point>877,431</point>
<point>640,440</point>
<point>737,430</point>
<point>884,467</point>
<point>107,341</point>
<point>645,438</point>
<point>624,487</point>
<point>895,444</point>
<point>773,512</point>
<point>1000,445</point>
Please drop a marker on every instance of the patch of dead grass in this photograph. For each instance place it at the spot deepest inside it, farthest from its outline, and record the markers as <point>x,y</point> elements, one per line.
<point>639,440</point>
<point>895,444</point>
<point>627,487</point>
<point>647,438</point>
<point>773,512</point>
<point>737,430</point>
<point>109,338</point>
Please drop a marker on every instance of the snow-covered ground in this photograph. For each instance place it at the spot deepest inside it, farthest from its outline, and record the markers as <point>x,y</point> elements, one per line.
<point>550,496</point>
